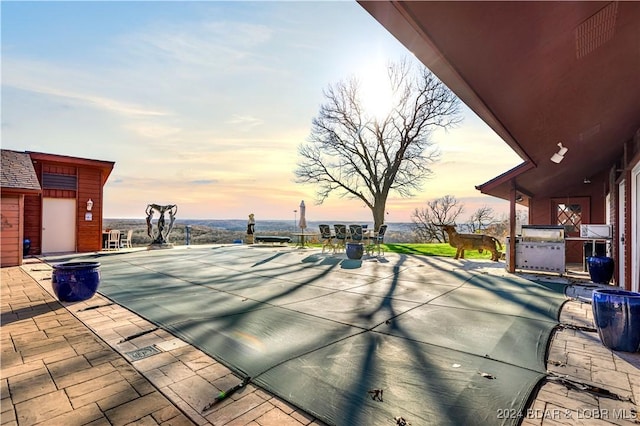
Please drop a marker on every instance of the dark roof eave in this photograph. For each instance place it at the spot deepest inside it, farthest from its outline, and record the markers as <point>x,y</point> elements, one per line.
<point>399,21</point>
<point>105,166</point>
<point>20,191</point>
<point>505,177</point>
<point>68,159</point>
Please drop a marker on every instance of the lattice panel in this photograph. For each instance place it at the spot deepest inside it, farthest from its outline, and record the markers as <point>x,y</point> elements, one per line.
<point>570,216</point>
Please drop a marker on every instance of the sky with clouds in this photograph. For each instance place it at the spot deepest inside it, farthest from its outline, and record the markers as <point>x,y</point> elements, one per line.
<point>204,104</point>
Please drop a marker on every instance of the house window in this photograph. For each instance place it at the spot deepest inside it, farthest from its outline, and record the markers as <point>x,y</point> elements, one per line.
<point>57,181</point>
<point>570,216</point>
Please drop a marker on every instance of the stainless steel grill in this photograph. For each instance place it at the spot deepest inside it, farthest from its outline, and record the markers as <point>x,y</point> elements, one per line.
<point>540,248</point>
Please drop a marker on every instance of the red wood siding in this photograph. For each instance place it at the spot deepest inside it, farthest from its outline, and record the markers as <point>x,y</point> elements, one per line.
<point>11,230</point>
<point>541,209</point>
<point>33,221</point>
<point>33,215</point>
<point>89,233</point>
<point>58,193</point>
<point>59,169</point>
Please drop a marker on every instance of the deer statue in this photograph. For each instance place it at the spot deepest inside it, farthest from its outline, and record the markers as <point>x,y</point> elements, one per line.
<point>478,242</point>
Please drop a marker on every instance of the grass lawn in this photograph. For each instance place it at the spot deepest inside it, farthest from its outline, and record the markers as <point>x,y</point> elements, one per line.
<point>436,249</point>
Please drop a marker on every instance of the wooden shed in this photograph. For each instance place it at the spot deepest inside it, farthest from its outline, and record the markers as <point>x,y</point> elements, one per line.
<point>64,215</point>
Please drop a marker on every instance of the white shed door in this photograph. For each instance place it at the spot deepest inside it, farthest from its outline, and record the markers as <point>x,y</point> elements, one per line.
<point>58,225</point>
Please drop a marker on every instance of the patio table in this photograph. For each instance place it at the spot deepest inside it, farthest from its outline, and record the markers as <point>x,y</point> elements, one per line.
<point>302,235</point>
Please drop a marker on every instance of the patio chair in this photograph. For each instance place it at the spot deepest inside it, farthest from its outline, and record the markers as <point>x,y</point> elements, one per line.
<point>113,240</point>
<point>341,236</point>
<point>376,240</point>
<point>326,236</point>
<point>125,239</point>
<point>355,234</point>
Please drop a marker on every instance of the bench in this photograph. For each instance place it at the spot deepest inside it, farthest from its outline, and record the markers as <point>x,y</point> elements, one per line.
<point>272,239</point>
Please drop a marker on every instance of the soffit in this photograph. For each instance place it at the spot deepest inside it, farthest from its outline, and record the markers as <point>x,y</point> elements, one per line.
<point>538,73</point>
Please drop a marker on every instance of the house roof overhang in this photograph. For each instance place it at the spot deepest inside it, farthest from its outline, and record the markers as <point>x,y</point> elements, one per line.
<point>538,73</point>
<point>105,166</point>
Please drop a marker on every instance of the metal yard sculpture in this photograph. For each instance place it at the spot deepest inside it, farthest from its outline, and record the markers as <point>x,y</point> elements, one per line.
<point>251,225</point>
<point>159,233</point>
<point>478,242</point>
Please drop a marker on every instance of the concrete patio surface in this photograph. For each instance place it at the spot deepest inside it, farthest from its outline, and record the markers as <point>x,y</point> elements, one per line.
<point>74,364</point>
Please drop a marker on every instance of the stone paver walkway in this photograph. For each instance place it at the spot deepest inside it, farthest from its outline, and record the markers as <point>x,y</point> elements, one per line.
<point>607,383</point>
<point>56,371</point>
<point>70,364</point>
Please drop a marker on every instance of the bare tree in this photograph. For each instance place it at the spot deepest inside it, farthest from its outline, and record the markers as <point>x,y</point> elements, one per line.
<point>439,211</point>
<point>500,228</point>
<point>360,156</point>
<point>481,219</point>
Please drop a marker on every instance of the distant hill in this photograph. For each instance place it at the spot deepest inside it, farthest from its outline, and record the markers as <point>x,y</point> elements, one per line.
<point>227,231</point>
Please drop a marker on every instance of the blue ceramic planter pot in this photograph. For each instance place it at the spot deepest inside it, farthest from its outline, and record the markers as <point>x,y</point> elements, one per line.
<point>617,317</point>
<point>600,269</point>
<point>75,281</point>
<point>355,250</point>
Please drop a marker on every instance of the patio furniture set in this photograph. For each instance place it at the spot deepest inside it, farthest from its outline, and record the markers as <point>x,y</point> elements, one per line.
<point>342,236</point>
<point>114,239</point>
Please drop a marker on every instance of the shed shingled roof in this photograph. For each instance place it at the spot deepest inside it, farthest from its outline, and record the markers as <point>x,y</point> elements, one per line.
<point>18,171</point>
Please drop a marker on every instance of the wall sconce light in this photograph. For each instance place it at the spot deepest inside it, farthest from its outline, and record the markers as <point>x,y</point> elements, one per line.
<point>559,156</point>
<point>519,198</point>
<point>89,204</point>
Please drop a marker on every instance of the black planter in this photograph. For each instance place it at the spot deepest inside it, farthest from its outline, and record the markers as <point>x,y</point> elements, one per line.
<point>617,317</point>
<point>75,281</point>
<point>600,269</point>
<point>355,250</point>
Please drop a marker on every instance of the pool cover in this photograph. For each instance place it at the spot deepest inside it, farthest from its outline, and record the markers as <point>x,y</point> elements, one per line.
<point>445,342</point>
